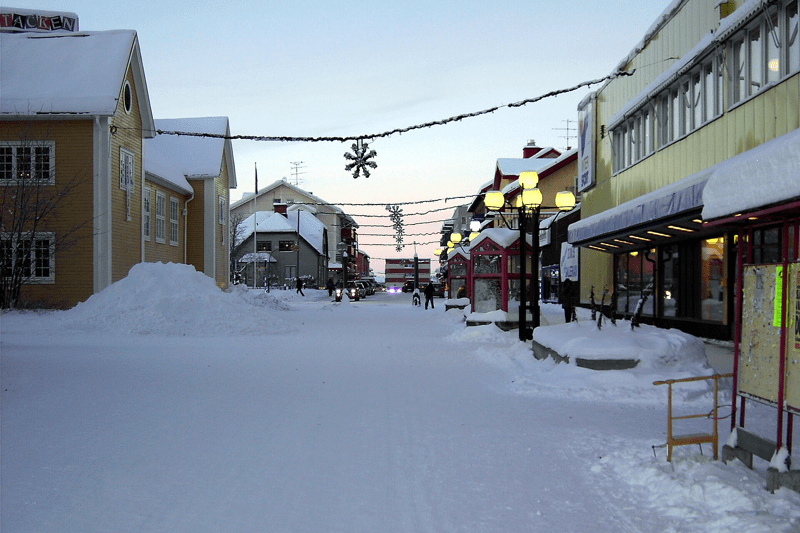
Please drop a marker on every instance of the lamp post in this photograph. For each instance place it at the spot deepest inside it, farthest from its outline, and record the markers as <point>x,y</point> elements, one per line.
<point>528,205</point>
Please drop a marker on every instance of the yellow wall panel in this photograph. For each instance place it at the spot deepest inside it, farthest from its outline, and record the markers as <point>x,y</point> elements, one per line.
<point>793,102</point>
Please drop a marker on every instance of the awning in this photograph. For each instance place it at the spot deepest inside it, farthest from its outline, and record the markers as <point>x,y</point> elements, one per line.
<point>684,197</point>
<point>764,176</point>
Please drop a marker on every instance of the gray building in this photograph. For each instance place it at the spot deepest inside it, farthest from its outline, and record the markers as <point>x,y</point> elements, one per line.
<point>287,245</point>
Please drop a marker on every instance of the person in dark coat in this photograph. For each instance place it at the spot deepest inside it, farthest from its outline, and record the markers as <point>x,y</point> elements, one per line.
<point>429,295</point>
<point>568,299</point>
<point>329,286</point>
<point>299,285</point>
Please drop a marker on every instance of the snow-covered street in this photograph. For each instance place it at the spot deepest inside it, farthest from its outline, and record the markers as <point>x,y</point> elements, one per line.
<point>209,412</point>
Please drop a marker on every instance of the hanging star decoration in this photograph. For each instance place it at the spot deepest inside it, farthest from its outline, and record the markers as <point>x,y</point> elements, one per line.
<point>360,159</point>
<point>396,216</point>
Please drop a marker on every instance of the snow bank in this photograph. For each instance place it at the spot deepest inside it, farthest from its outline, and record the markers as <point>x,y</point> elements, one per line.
<point>164,299</point>
<point>654,347</point>
<point>663,354</point>
<point>698,494</point>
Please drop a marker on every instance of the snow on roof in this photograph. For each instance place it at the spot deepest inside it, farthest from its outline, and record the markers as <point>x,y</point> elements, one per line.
<point>727,25</point>
<point>509,166</point>
<point>765,175</point>
<point>259,256</point>
<point>311,229</point>
<point>63,73</point>
<point>503,236</point>
<point>176,157</point>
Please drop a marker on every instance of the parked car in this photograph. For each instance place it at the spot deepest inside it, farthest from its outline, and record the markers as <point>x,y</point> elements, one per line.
<point>362,289</point>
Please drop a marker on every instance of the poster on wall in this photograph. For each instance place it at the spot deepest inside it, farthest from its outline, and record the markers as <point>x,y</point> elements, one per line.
<point>569,262</point>
<point>586,143</point>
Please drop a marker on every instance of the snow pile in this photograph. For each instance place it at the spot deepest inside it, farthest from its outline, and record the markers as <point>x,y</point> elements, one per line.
<point>654,347</point>
<point>698,494</point>
<point>663,354</point>
<point>164,299</point>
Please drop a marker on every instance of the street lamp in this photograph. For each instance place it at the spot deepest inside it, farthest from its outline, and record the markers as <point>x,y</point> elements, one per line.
<point>528,205</point>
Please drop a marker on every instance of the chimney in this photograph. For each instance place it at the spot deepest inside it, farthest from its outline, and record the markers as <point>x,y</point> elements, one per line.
<point>279,208</point>
<point>530,149</point>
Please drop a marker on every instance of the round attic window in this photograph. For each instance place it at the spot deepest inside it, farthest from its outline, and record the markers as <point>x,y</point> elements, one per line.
<point>127,97</point>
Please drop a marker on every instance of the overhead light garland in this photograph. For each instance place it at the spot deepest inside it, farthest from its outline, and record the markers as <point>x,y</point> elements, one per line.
<point>360,156</point>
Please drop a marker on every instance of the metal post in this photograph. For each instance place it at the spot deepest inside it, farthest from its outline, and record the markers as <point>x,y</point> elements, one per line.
<point>535,269</point>
<point>523,275</point>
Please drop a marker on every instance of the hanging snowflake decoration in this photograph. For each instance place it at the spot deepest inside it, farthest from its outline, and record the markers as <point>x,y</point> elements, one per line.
<point>396,216</point>
<point>360,159</point>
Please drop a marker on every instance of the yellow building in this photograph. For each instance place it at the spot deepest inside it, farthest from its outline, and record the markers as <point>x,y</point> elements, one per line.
<point>81,202</point>
<point>188,179</point>
<point>72,130</point>
<point>710,82</point>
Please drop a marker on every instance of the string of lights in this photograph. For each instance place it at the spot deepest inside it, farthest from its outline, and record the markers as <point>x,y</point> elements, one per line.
<point>389,133</point>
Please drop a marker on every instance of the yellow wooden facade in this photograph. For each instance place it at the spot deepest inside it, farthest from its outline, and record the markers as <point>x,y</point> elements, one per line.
<point>768,114</point>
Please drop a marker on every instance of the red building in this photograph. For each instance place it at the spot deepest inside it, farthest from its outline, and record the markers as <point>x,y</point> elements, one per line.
<point>398,271</point>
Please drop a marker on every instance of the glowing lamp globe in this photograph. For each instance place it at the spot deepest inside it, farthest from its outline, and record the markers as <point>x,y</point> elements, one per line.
<point>455,237</point>
<point>475,225</point>
<point>565,200</point>
<point>474,235</point>
<point>494,200</point>
<point>531,198</point>
<point>528,179</point>
<point>437,252</point>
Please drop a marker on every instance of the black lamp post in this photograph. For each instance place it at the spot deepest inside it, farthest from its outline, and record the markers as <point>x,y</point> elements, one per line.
<point>528,205</point>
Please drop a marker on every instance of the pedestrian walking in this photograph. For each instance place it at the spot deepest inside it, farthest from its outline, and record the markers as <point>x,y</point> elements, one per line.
<point>429,295</point>
<point>415,297</point>
<point>299,285</point>
<point>568,299</point>
<point>329,286</point>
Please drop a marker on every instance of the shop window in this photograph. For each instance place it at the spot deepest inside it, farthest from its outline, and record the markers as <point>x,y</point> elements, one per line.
<point>285,246</point>
<point>766,246</point>
<point>671,277</point>
<point>712,279</point>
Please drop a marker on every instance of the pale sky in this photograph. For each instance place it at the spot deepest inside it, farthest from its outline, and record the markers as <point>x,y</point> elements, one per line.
<point>316,68</point>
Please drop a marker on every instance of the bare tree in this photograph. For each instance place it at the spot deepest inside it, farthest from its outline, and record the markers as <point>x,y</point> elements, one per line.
<point>32,200</point>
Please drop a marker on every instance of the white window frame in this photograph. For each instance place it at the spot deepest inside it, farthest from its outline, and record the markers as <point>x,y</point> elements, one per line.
<point>174,212</point>
<point>17,148</point>
<point>161,215</point>
<point>147,213</point>
<point>39,237</point>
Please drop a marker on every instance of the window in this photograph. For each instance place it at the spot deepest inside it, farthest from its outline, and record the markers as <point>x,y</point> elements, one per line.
<point>126,181</point>
<point>792,42</point>
<point>31,255</point>
<point>767,246</point>
<point>161,213</point>
<point>146,213</point>
<point>127,97</point>
<point>285,246</point>
<point>289,272</point>
<point>221,210</point>
<point>264,246</point>
<point>26,161</point>
<point>773,43</point>
<point>173,221</point>
<point>738,71</point>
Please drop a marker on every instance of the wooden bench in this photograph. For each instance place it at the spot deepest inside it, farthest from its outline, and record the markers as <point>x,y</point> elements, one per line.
<point>692,438</point>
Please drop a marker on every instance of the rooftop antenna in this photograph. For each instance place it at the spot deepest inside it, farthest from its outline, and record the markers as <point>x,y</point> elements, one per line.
<point>296,168</point>
<point>568,136</point>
